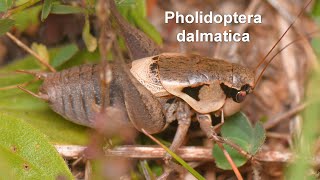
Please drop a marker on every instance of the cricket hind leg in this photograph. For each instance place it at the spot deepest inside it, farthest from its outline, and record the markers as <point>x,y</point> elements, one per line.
<point>138,44</point>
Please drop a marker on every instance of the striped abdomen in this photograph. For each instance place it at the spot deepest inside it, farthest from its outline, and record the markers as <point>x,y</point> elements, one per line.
<point>74,92</point>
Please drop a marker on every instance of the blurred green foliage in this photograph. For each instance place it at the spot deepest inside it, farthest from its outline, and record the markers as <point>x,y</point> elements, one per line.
<point>5,25</point>
<point>5,4</point>
<point>27,153</point>
<point>26,18</point>
<point>304,148</point>
<point>136,14</point>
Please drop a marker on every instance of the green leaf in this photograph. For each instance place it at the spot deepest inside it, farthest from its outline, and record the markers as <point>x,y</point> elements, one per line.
<point>27,17</point>
<point>136,14</point>
<point>148,28</point>
<point>239,130</point>
<point>221,160</point>
<point>39,115</point>
<point>64,55</point>
<point>66,9</point>
<point>316,8</point>
<point>316,45</point>
<point>42,51</point>
<point>259,135</point>
<point>140,8</point>
<point>124,2</point>
<point>27,153</point>
<point>5,5</point>
<point>5,25</point>
<point>31,63</point>
<point>46,8</point>
<point>89,40</point>
<point>21,2</point>
<point>238,126</point>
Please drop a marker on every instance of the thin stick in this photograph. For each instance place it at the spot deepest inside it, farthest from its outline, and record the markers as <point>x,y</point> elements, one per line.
<point>189,153</point>
<point>271,123</point>
<point>30,51</point>
<point>228,157</point>
<point>19,8</point>
<point>276,135</point>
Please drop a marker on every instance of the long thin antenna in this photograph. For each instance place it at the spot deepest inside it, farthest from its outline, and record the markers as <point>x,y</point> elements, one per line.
<point>301,12</point>
<point>272,58</point>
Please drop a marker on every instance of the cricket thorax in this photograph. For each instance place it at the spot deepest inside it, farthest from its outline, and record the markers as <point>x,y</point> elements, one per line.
<point>146,71</point>
<point>242,76</point>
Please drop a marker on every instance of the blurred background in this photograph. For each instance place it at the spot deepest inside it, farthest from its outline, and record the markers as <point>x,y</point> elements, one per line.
<point>286,101</point>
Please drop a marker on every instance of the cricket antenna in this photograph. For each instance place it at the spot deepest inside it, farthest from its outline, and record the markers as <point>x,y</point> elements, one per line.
<point>38,75</point>
<point>39,96</point>
<point>292,42</point>
<point>263,60</point>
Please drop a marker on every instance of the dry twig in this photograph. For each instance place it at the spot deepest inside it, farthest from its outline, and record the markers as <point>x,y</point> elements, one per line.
<point>188,153</point>
<point>272,123</point>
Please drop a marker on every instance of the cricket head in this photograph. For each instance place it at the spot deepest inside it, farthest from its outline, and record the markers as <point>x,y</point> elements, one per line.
<point>243,80</point>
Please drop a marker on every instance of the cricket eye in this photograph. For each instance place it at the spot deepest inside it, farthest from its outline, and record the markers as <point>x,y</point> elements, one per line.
<point>241,96</point>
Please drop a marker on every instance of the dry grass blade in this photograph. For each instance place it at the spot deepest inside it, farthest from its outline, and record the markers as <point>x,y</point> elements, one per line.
<point>176,157</point>
<point>273,122</point>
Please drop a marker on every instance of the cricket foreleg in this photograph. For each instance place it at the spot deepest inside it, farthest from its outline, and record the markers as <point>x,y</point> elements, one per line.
<point>217,127</point>
<point>205,122</point>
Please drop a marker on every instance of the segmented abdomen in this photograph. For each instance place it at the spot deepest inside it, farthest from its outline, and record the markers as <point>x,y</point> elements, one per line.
<point>74,93</point>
